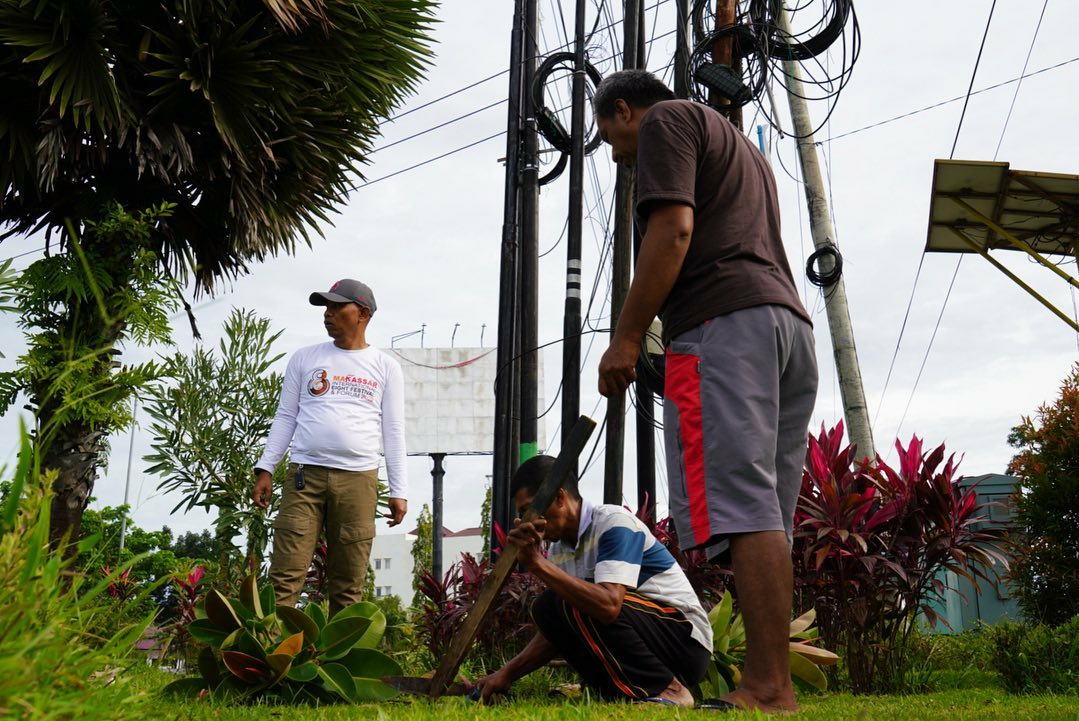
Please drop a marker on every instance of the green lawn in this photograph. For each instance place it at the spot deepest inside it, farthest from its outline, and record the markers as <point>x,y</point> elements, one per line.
<point>984,702</point>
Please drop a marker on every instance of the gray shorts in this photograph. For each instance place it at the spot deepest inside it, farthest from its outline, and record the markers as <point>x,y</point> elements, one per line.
<point>739,393</point>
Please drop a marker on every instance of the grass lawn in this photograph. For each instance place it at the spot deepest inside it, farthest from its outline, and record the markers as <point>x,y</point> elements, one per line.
<point>984,701</point>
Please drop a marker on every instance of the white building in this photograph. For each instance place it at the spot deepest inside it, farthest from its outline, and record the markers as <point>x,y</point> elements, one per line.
<point>391,559</point>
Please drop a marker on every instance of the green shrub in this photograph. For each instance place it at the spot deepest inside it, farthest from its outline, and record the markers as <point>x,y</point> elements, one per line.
<point>968,650</point>
<point>1036,658</point>
<point>256,650</point>
<point>55,663</point>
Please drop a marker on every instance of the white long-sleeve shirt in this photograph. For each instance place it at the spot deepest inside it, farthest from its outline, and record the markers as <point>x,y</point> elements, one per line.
<point>335,407</point>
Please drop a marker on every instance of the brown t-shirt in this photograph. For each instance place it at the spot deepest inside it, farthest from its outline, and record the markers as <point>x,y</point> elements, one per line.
<point>689,153</point>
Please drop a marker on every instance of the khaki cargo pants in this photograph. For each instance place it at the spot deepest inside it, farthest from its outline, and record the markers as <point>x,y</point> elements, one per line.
<point>342,502</point>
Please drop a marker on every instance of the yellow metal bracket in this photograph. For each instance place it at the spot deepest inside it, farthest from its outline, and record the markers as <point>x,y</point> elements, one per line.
<point>1016,279</point>
<point>1021,245</point>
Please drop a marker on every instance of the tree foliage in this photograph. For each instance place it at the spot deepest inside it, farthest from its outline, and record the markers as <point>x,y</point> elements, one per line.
<point>1045,569</point>
<point>422,549</point>
<point>210,416</point>
<point>238,125</point>
<point>77,310</point>
<point>252,117</point>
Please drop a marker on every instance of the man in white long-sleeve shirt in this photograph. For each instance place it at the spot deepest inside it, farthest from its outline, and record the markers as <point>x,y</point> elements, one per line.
<point>338,401</point>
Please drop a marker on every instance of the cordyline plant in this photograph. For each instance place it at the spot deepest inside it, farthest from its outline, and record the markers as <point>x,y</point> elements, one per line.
<point>188,589</point>
<point>257,650</point>
<point>508,626</point>
<point>871,547</point>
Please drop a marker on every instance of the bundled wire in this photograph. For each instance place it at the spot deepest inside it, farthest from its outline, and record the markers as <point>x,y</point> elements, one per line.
<point>760,47</point>
<point>547,122</point>
<point>651,367</point>
<point>829,277</point>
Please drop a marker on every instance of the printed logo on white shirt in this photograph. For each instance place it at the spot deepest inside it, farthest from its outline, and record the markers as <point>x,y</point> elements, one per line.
<point>319,382</point>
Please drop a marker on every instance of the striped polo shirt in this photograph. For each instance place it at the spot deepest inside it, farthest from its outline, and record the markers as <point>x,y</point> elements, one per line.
<point>614,546</point>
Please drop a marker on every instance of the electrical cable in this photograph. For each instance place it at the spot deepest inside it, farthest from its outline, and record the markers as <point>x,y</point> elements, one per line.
<point>1018,85</point>
<point>429,160</point>
<point>959,263</point>
<point>952,100</point>
<point>565,227</point>
<point>917,275</point>
<point>547,121</point>
<point>827,278</point>
<point>26,253</point>
<point>437,127</point>
<point>973,75</point>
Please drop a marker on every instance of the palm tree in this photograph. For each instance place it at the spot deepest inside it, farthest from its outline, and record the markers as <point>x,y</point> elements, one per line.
<point>237,126</point>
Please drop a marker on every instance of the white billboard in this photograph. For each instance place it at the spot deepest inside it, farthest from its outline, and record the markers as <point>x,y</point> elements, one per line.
<point>450,399</point>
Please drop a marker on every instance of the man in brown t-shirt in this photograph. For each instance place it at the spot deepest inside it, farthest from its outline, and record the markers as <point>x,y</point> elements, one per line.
<point>741,374</point>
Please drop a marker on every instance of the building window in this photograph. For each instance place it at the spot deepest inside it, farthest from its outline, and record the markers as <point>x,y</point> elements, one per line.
<point>378,591</point>
<point>386,563</point>
<point>378,564</point>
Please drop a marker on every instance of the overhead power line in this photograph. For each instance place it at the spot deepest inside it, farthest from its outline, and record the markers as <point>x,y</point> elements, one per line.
<point>1018,85</point>
<point>942,103</point>
<point>959,263</point>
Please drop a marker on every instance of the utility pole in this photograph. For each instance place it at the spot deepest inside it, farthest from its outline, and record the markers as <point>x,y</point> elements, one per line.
<point>438,472</point>
<point>835,295</point>
<point>529,258</point>
<point>614,461</point>
<point>682,49</point>
<point>127,478</point>
<point>571,327</point>
<point>502,464</point>
<point>723,53</point>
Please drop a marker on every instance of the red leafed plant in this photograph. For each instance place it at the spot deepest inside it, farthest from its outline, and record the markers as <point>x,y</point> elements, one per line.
<point>188,588</point>
<point>871,544</point>
<point>314,584</point>
<point>122,587</point>
<point>446,603</point>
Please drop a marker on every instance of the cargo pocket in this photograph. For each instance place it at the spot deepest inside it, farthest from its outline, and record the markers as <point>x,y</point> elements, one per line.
<point>291,540</point>
<point>355,532</point>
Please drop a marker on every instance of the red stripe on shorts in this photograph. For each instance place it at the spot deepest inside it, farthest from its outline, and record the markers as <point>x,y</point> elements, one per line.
<point>683,388</point>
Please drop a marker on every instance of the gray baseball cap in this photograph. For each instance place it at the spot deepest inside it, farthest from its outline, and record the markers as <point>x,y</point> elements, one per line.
<point>346,290</point>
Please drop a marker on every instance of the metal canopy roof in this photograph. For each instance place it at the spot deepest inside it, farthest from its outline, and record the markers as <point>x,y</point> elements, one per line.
<point>1039,209</point>
<point>977,207</point>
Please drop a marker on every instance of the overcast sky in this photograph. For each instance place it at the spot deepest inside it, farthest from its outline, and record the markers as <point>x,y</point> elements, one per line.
<point>427,239</point>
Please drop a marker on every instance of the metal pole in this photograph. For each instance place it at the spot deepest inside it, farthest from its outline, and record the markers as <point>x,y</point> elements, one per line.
<point>614,452</point>
<point>437,474</point>
<point>645,415</point>
<point>529,363</point>
<point>835,295</point>
<point>682,48</point>
<point>571,327</point>
<point>502,464</point>
<point>127,479</point>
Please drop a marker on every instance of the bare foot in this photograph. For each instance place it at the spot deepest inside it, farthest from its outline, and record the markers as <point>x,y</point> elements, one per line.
<point>780,703</point>
<point>677,693</point>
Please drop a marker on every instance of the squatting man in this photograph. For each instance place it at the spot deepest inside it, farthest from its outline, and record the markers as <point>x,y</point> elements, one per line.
<point>617,608</point>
